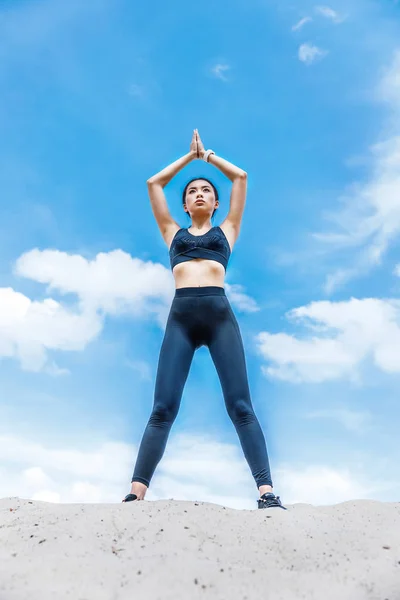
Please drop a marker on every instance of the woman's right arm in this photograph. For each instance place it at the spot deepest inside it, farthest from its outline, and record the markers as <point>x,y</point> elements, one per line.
<point>155,187</point>
<point>165,176</point>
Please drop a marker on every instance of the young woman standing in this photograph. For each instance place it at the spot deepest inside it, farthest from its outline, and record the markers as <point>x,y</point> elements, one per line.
<point>201,315</point>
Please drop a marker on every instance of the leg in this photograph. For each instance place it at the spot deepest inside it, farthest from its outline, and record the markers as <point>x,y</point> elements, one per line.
<point>175,358</point>
<point>227,353</point>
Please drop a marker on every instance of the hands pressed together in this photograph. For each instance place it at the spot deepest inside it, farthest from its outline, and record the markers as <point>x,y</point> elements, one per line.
<point>196,146</point>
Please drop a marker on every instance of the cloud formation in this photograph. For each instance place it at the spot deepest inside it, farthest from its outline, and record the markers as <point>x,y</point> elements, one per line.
<point>329,13</point>
<point>300,24</point>
<point>110,284</point>
<point>339,337</point>
<point>308,53</point>
<point>194,466</point>
<point>369,220</point>
<point>242,301</point>
<point>28,329</point>
<point>219,71</point>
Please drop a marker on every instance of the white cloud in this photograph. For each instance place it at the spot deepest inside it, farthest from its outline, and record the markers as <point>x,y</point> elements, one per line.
<point>63,474</point>
<point>300,24</point>
<point>341,336</point>
<point>241,300</point>
<point>371,213</point>
<point>319,485</point>
<point>28,329</point>
<point>369,218</point>
<point>329,13</point>
<point>339,277</point>
<point>194,467</point>
<point>309,53</point>
<point>35,476</point>
<point>219,71</point>
<point>111,283</point>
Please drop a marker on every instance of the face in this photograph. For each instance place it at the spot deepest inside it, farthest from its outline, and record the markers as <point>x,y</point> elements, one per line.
<point>200,198</point>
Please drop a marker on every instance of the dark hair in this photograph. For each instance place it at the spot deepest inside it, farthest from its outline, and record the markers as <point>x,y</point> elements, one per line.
<point>203,179</point>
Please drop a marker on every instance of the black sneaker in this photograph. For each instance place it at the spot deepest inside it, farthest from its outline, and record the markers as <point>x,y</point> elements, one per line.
<point>268,500</point>
<point>130,498</point>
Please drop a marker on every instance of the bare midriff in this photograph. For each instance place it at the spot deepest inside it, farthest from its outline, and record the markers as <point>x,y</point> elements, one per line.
<point>199,272</point>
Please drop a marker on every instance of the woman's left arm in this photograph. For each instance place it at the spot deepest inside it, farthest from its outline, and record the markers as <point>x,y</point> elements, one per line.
<point>239,188</point>
<point>239,185</point>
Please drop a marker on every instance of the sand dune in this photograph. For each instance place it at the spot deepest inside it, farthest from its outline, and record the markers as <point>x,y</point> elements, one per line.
<point>170,549</point>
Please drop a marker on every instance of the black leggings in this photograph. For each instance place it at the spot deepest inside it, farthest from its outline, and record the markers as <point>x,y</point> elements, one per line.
<point>202,316</point>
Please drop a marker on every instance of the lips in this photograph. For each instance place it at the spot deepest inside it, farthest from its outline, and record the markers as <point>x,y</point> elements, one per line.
<point>199,201</point>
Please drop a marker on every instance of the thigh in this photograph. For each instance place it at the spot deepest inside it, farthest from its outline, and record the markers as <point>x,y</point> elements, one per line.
<point>176,355</point>
<point>227,352</point>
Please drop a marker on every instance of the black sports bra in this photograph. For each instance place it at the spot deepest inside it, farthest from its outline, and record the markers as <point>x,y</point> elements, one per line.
<point>212,245</point>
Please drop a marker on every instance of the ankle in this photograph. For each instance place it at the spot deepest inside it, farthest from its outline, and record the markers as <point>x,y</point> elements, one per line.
<point>265,489</point>
<point>139,489</point>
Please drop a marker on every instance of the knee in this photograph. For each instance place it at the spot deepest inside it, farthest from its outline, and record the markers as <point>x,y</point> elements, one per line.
<point>241,411</point>
<point>162,414</point>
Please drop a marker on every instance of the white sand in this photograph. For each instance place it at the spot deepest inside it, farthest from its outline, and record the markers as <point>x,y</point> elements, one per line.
<point>170,549</point>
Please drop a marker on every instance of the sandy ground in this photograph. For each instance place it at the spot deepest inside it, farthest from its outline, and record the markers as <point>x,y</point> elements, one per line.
<point>172,549</point>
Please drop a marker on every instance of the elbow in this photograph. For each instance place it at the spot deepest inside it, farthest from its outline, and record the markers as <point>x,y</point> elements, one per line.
<point>242,175</point>
<point>153,181</point>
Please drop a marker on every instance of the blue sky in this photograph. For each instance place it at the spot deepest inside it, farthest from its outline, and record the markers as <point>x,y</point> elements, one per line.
<point>95,99</point>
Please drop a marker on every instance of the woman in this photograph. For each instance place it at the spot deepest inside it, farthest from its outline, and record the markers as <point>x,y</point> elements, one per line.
<point>200,315</point>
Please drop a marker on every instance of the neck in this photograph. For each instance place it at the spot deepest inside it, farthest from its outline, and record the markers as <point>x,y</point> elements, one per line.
<point>200,225</point>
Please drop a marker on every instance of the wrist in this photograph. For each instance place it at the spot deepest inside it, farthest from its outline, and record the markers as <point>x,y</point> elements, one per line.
<point>207,154</point>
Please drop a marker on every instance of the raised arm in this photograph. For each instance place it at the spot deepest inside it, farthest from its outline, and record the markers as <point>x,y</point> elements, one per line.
<point>239,186</point>
<point>156,183</point>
